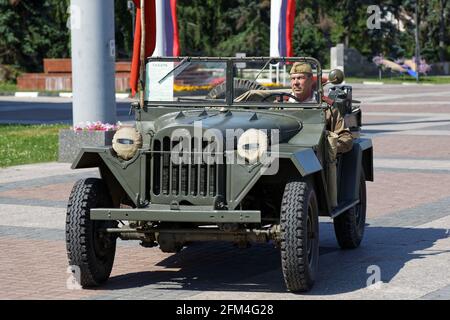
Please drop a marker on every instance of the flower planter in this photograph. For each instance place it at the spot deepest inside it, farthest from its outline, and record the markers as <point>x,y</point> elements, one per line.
<point>70,142</point>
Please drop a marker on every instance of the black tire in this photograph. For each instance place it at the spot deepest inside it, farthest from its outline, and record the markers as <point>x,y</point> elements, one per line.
<point>240,86</point>
<point>299,236</point>
<point>93,252</point>
<point>349,226</point>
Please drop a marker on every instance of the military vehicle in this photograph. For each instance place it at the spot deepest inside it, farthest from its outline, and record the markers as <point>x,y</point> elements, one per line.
<point>203,164</point>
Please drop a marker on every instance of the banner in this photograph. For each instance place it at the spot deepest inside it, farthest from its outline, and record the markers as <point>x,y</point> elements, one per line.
<point>150,32</point>
<point>282,16</point>
<point>167,43</point>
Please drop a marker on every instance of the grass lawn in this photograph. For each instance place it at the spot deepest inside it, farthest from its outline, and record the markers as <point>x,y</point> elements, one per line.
<point>22,144</point>
<point>400,79</point>
<point>8,87</point>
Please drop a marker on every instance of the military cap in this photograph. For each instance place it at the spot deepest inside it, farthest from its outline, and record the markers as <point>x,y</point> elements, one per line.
<point>301,67</point>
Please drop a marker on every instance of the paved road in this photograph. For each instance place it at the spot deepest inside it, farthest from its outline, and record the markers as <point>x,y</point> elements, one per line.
<point>407,238</point>
<point>47,110</point>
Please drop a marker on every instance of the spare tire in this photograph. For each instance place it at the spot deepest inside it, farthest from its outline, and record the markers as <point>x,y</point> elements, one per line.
<point>240,86</point>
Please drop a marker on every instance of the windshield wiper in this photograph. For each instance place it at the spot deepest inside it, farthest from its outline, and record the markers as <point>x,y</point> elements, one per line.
<point>177,70</point>
<point>262,69</point>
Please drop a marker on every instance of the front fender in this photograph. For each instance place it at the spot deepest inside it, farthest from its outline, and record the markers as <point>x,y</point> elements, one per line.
<point>354,163</point>
<point>305,160</point>
<point>88,158</point>
<point>127,174</point>
<point>242,178</point>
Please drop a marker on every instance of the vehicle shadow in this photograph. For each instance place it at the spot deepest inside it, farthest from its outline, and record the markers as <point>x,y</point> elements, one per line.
<point>223,267</point>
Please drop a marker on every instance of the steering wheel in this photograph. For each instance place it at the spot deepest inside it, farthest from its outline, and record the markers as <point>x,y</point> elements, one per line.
<point>280,96</point>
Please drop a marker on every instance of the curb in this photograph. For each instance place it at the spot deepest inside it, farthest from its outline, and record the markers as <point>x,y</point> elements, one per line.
<point>379,83</point>
<point>35,94</point>
<point>375,83</point>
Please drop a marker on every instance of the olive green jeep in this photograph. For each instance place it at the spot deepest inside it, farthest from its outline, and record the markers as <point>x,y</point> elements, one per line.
<point>201,164</point>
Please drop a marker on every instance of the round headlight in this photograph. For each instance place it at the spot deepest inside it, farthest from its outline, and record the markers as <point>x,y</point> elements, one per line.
<point>126,142</point>
<point>252,144</point>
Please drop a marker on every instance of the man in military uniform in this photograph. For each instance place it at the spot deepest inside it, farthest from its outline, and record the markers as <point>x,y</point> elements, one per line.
<point>302,87</point>
<point>339,137</point>
<point>302,84</point>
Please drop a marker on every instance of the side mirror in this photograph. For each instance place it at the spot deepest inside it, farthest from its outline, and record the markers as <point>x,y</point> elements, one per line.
<point>336,76</point>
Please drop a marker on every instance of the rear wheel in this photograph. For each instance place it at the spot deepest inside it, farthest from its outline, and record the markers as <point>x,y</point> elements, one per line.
<point>88,248</point>
<point>349,226</point>
<point>299,236</point>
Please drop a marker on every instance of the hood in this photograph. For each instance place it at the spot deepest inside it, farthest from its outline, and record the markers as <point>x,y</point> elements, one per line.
<point>287,125</point>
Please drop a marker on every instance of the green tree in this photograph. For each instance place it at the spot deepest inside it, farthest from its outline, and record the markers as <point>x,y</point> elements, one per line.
<point>308,38</point>
<point>32,31</point>
<point>123,30</point>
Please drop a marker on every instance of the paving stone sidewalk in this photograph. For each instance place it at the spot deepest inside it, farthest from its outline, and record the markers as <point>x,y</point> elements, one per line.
<point>407,236</point>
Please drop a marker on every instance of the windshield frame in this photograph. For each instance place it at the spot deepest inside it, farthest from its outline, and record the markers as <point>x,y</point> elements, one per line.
<point>229,97</point>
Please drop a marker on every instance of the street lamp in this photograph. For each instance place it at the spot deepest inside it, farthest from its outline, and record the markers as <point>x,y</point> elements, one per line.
<point>416,21</point>
<point>132,9</point>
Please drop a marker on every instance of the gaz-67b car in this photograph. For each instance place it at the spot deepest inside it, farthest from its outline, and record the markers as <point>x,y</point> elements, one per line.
<point>216,155</point>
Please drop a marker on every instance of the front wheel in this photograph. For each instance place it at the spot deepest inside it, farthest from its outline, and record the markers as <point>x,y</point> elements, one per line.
<point>88,247</point>
<point>349,226</point>
<point>299,236</point>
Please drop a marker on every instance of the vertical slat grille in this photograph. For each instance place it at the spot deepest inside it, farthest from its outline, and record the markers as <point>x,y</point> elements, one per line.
<point>203,182</point>
<point>184,179</point>
<point>166,166</point>
<point>212,180</point>
<point>194,179</point>
<point>156,168</point>
<point>175,173</point>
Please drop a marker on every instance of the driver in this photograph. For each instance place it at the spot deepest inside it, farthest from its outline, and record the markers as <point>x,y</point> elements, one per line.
<point>302,87</point>
<point>338,136</point>
<point>302,84</point>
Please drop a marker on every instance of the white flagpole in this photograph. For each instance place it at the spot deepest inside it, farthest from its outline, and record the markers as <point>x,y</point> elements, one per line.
<point>275,8</point>
<point>160,27</point>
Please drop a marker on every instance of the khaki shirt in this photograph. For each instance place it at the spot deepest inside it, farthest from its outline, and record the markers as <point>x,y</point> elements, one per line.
<point>335,123</point>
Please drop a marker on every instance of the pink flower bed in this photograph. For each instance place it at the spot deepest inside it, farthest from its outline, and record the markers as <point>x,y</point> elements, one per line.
<point>96,126</point>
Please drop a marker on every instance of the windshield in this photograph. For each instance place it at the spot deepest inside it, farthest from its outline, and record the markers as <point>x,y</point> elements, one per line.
<point>232,81</point>
<point>173,81</point>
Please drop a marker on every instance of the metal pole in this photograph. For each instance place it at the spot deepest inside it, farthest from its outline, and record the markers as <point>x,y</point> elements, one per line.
<point>270,73</point>
<point>277,70</point>
<point>160,45</point>
<point>416,21</point>
<point>275,7</point>
<point>93,61</point>
<point>132,9</point>
<point>142,57</point>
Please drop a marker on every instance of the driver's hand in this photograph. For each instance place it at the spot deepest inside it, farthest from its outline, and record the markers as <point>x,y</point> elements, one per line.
<point>280,99</point>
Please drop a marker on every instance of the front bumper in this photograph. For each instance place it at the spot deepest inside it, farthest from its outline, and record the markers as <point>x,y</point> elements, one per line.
<point>193,214</point>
